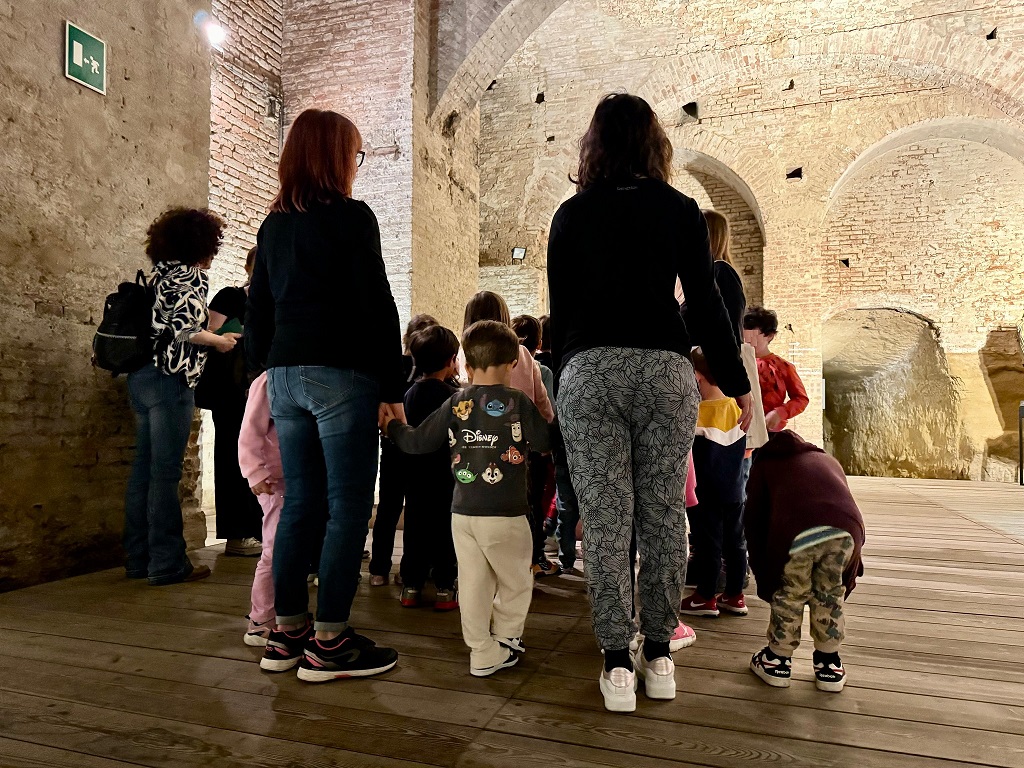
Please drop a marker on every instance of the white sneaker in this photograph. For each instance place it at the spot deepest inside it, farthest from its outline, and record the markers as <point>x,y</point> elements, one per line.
<point>512,643</point>
<point>258,634</point>
<point>659,675</point>
<point>510,661</point>
<point>247,547</point>
<point>619,690</point>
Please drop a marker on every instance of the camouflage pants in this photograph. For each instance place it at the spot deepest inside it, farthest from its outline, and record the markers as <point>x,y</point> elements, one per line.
<point>814,577</point>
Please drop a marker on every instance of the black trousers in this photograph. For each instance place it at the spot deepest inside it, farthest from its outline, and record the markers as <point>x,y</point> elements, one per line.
<point>537,478</point>
<point>428,545</point>
<point>239,514</point>
<point>717,534</point>
<point>393,480</point>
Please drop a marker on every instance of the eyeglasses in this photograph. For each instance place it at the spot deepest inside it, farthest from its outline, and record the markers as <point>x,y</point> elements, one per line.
<point>360,156</point>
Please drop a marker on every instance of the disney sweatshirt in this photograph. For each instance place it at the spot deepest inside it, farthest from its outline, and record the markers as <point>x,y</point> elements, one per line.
<point>489,430</point>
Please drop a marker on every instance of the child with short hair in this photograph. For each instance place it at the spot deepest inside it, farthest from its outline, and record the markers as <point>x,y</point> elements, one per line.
<point>393,479</point>
<point>489,428</point>
<point>805,534</point>
<point>717,520</point>
<point>427,535</point>
<point>778,378</point>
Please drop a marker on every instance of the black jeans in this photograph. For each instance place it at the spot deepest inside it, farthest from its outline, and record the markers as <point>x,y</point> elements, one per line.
<point>239,514</point>
<point>568,513</point>
<point>393,481</point>
<point>717,534</point>
<point>539,468</point>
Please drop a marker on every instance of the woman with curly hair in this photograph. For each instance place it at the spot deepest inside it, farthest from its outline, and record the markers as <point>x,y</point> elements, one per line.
<point>181,243</point>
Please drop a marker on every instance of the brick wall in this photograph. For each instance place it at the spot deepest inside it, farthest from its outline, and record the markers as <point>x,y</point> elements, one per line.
<point>85,174</point>
<point>357,58</point>
<point>246,112</point>
<point>933,227</point>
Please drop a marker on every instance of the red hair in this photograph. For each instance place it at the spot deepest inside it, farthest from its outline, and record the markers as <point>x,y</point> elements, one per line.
<point>318,163</point>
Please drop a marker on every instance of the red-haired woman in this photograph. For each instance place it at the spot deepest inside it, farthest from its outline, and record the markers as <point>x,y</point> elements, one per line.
<point>627,397</point>
<point>321,318</point>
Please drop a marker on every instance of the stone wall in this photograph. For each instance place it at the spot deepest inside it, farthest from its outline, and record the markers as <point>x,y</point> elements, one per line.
<point>892,409</point>
<point>85,175</point>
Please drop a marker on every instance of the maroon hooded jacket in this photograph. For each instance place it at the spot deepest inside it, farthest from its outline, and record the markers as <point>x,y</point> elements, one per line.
<point>794,486</point>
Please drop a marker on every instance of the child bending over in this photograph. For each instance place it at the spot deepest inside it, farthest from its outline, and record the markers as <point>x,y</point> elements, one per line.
<point>489,429</point>
<point>805,534</point>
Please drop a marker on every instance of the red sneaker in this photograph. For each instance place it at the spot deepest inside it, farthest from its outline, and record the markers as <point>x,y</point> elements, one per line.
<point>734,604</point>
<point>695,605</point>
<point>447,600</point>
<point>410,598</point>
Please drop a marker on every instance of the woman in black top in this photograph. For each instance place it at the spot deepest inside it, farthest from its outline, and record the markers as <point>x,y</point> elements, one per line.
<point>321,318</point>
<point>627,397</point>
<point>222,389</point>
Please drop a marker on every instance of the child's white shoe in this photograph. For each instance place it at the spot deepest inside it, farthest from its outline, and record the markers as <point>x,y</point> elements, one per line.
<point>659,675</point>
<point>619,689</point>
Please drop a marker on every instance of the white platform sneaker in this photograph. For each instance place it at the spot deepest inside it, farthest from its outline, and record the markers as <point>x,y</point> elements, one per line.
<point>659,675</point>
<point>619,690</point>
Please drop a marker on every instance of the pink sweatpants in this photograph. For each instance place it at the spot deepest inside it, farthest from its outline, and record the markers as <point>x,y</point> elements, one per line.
<point>263,581</point>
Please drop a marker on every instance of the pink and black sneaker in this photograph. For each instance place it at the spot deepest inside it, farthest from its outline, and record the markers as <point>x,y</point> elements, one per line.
<point>734,604</point>
<point>347,655</point>
<point>284,649</point>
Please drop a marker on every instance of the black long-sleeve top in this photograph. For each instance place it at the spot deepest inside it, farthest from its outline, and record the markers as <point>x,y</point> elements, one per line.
<point>730,285</point>
<point>614,252</point>
<point>320,295</point>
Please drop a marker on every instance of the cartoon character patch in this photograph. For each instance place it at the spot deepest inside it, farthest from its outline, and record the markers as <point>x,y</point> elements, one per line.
<point>517,431</point>
<point>463,409</point>
<point>456,460</point>
<point>451,439</point>
<point>513,456</point>
<point>492,474</point>
<point>495,407</point>
<point>465,476</point>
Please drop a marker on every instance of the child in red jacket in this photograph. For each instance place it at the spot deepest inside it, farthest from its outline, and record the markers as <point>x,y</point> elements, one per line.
<point>778,378</point>
<point>804,538</point>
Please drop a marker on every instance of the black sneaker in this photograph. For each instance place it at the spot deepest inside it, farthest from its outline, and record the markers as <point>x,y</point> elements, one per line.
<point>829,674</point>
<point>348,655</point>
<point>774,670</point>
<point>284,649</point>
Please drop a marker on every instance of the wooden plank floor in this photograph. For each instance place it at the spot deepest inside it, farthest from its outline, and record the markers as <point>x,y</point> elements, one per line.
<point>101,672</point>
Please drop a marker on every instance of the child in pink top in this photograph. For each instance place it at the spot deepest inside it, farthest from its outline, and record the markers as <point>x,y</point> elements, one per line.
<point>259,458</point>
<point>526,376</point>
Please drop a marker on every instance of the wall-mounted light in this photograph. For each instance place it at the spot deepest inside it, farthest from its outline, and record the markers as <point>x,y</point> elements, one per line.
<point>216,34</point>
<point>518,255</point>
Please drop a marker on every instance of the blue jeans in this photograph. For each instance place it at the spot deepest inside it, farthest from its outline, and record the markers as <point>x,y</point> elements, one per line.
<point>153,531</point>
<point>326,421</point>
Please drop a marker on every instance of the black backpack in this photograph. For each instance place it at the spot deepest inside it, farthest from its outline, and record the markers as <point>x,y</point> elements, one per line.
<point>124,341</point>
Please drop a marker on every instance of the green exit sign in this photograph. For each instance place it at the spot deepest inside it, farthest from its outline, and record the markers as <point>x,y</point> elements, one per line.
<point>85,58</point>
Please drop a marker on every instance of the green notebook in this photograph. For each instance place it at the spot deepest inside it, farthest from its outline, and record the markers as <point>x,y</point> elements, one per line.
<point>233,325</point>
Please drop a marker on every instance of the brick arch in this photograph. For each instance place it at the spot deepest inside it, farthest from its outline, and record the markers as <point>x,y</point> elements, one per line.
<point>505,25</point>
<point>1001,135</point>
<point>967,281</point>
<point>911,51</point>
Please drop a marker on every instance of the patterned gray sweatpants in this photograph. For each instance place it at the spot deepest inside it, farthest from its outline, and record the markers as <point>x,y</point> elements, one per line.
<point>628,417</point>
<point>812,577</point>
